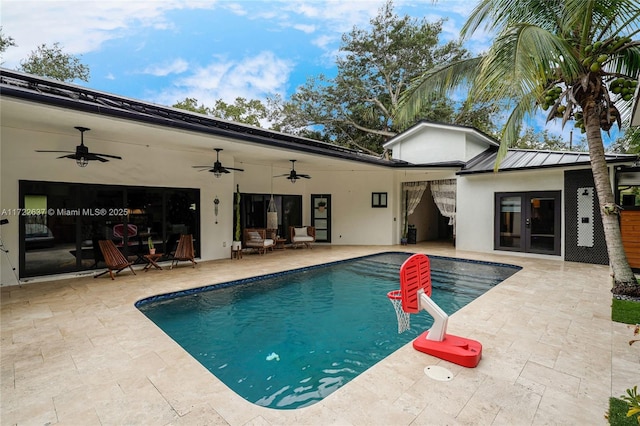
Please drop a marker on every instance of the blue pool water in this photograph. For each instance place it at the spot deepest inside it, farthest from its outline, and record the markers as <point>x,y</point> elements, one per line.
<point>288,340</point>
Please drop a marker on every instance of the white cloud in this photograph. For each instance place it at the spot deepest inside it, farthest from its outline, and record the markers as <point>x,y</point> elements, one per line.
<point>251,78</point>
<point>308,29</point>
<point>236,8</point>
<point>79,26</point>
<point>177,66</point>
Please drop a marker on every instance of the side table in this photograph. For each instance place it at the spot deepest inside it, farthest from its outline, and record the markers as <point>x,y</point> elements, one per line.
<point>236,254</point>
<point>152,261</point>
<point>280,243</point>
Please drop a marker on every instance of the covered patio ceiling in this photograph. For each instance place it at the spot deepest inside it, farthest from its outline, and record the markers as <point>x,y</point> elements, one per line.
<point>34,116</point>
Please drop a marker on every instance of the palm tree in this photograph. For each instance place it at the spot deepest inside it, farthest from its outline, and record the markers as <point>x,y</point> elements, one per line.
<point>574,58</point>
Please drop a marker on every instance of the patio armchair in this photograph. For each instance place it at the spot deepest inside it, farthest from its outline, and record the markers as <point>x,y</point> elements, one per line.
<point>255,239</point>
<point>114,259</point>
<point>302,236</point>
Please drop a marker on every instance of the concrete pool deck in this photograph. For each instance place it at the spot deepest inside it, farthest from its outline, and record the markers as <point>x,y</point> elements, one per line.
<point>77,352</point>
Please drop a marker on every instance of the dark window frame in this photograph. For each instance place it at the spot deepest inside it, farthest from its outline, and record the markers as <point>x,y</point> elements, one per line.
<point>525,199</point>
<point>379,200</point>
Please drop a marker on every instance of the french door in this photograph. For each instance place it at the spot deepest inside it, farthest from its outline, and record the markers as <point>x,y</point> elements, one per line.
<point>528,222</point>
<point>321,216</point>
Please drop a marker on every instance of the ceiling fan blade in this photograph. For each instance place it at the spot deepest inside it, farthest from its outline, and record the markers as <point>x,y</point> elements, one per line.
<point>72,156</point>
<point>233,168</point>
<point>202,167</point>
<point>44,150</point>
<point>286,174</point>
<point>222,170</point>
<point>303,176</point>
<point>117,157</point>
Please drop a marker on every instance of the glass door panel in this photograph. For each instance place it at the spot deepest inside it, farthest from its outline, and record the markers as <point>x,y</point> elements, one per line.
<point>540,224</point>
<point>510,222</point>
<point>321,216</point>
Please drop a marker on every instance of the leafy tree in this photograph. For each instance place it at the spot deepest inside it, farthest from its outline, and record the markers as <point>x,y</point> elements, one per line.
<point>574,58</point>
<point>51,61</point>
<point>242,111</point>
<point>191,104</point>
<point>5,42</point>
<point>530,139</point>
<point>376,66</point>
<point>629,142</point>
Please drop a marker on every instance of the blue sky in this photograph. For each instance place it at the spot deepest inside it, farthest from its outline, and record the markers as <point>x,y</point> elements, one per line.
<point>163,51</point>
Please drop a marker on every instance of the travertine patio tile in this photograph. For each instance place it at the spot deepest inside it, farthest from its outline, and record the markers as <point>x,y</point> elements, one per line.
<point>36,411</point>
<point>559,408</point>
<point>200,415</point>
<point>140,403</point>
<point>551,378</point>
<point>500,402</point>
<point>363,407</point>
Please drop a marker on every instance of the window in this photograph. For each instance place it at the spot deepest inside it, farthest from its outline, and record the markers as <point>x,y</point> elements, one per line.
<point>378,199</point>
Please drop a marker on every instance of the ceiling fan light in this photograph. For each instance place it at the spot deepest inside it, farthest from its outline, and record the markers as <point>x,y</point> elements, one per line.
<point>293,179</point>
<point>82,161</point>
<point>217,173</point>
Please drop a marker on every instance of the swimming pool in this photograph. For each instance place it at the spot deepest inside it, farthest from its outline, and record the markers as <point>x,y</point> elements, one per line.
<point>288,340</point>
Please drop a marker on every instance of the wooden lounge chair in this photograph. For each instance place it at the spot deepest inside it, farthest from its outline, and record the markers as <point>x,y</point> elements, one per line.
<point>184,251</point>
<point>114,258</point>
<point>169,246</point>
<point>304,236</point>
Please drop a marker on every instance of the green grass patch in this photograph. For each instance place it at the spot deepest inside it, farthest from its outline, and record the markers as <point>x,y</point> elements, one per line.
<point>625,311</point>
<point>618,413</point>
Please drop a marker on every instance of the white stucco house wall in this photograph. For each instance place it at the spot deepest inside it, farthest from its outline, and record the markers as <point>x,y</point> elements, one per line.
<point>156,181</point>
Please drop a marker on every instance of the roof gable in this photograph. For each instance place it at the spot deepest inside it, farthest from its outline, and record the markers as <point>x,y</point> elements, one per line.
<point>429,142</point>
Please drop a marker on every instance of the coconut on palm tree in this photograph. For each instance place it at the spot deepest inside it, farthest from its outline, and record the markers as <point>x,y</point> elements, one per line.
<point>576,60</point>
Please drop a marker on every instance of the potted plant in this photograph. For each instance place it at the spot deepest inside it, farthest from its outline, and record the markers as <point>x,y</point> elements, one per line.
<point>237,243</point>
<point>152,248</point>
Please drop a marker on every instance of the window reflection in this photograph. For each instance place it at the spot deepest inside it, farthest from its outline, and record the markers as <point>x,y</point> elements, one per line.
<point>70,219</point>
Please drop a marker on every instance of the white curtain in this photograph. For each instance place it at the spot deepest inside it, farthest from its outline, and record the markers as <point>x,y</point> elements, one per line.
<point>411,196</point>
<point>444,195</point>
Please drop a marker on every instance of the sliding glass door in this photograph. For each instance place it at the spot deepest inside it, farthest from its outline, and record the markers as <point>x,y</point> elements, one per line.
<point>64,221</point>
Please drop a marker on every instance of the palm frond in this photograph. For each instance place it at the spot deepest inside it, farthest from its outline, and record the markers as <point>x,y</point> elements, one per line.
<point>511,131</point>
<point>522,61</point>
<point>578,14</point>
<point>496,15</point>
<point>437,81</point>
<point>615,17</point>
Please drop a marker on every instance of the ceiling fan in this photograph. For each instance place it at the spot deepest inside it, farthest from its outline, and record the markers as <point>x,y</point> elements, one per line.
<point>218,169</point>
<point>293,176</point>
<point>82,154</point>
